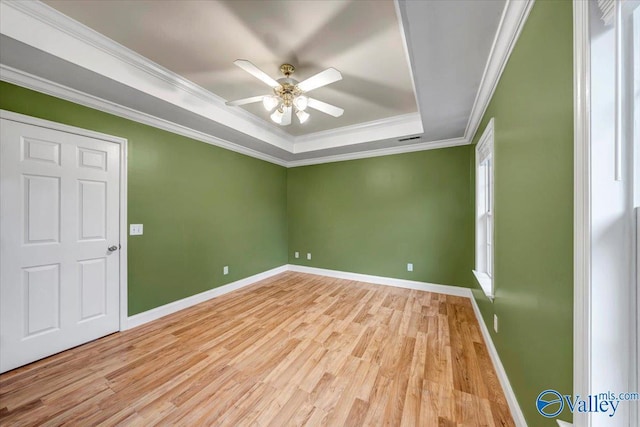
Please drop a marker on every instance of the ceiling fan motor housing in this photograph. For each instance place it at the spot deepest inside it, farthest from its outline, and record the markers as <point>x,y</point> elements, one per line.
<point>287,91</point>
<point>289,95</point>
<point>287,69</point>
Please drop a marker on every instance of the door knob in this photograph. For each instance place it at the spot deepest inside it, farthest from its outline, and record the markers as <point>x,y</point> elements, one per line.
<point>113,248</point>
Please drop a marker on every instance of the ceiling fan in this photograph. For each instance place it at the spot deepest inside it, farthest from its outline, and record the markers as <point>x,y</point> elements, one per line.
<point>289,94</point>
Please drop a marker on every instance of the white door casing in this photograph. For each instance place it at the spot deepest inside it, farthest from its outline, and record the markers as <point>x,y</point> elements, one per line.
<point>60,212</point>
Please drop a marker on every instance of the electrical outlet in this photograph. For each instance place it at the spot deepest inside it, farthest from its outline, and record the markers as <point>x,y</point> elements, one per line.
<point>495,323</point>
<point>296,254</point>
<point>309,255</point>
<point>410,266</point>
<point>135,229</point>
<point>225,270</point>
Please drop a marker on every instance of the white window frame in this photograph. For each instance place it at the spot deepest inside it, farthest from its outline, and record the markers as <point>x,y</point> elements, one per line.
<point>484,218</point>
<point>631,40</point>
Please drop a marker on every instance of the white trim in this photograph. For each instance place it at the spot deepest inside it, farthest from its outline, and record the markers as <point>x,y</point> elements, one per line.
<point>485,283</point>
<point>387,128</point>
<point>386,281</point>
<point>159,312</point>
<point>512,401</point>
<point>485,149</point>
<point>513,18</point>
<point>582,210</point>
<point>38,84</point>
<point>29,81</point>
<point>172,307</point>
<point>410,148</point>
<point>21,118</point>
<point>486,142</point>
<point>564,423</point>
<point>635,413</point>
<point>514,407</point>
<point>47,29</point>
<point>407,55</point>
<point>619,96</point>
<point>44,28</point>
<point>124,227</point>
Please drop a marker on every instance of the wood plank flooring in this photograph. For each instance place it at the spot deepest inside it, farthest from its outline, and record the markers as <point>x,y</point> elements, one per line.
<point>295,349</point>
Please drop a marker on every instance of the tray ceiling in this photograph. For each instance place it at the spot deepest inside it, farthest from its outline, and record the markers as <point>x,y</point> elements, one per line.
<point>199,40</point>
<point>422,69</point>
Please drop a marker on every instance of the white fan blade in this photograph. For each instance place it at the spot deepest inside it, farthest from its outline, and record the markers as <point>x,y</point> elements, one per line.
<point>329,109</point>
<point>256,72</point>
<point>245,101</point>
<point>286,119</point>
<point>323,78</point>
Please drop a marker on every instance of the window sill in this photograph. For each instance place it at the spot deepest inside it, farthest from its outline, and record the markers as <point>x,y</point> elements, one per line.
<point>485,283</point>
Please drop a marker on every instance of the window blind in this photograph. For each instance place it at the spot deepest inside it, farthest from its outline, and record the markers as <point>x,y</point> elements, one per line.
<point>607,8</point>
<point>485,147</point>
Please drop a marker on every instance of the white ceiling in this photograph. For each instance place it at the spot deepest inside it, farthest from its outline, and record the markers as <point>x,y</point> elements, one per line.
<point>169,64</point>
<point>199,40</point>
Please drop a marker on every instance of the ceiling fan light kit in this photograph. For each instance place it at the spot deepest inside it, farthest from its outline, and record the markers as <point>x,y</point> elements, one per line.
<point>301,102</point>
<point>302,116</point>
<point>270,102</point>
<point>289,94</point>
<point>277,116</point>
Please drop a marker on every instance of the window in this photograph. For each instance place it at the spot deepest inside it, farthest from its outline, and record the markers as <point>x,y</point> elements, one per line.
<point>631,12</point>
<point>484,210</point>
<point>634,89</point>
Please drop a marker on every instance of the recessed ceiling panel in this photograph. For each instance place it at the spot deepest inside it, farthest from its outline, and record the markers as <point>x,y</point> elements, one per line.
<point>199,40</point>
<point>449,43</point>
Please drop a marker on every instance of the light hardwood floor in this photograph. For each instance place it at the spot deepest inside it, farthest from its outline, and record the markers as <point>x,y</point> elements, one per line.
<point>295,349</point>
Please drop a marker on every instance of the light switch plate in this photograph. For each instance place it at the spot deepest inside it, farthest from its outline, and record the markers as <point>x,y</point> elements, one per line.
<point>495,323</point>
<point>225,270</point>
<point>296,254</point>
<point>135,229</point>
<point>308,255</point>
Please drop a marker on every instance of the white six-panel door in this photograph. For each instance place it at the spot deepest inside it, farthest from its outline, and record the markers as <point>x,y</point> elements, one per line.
<point>59,232</point>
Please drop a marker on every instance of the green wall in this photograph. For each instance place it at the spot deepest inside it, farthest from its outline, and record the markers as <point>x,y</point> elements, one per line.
<point>202,206</point>
<point>375,215</point>
<point>533,110</point>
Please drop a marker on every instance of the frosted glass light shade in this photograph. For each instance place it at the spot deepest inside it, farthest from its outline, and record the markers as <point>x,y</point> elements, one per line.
<point>303,116</point>
<point>301,102</point>
<point>270,102</point>
<point>277,116</point>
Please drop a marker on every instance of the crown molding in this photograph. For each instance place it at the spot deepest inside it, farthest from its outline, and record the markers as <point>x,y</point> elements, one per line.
<point>407,54</point>
<point>46,29</point>
<point>423,146</point>
<point>41,26</point>
<point>38,84</point>
<point>513,18</point>
<point>29,81</point>
<point>390,127</point>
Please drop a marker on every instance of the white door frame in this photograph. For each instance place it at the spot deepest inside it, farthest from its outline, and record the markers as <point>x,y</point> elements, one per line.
<point>582,208</point>
<point>21,118</point>
<point>582,333</point>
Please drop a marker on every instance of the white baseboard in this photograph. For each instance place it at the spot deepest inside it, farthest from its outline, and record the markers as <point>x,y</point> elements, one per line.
<point>387,281</point>
<point>158,312</point>
<point>172,307</point>
<point>516,412</point>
